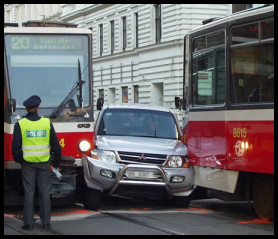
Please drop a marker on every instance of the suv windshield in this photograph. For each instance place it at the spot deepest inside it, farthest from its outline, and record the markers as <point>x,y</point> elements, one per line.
<point>139,123</point>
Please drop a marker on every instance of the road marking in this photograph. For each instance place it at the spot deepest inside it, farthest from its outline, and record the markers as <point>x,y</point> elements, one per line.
<point>143,210</point>
<point>79,211</point>
<point>148,210</point>
<point>72,214</point>
<point>259,221</point>
<point>193,209</point>
<point>11,216</point>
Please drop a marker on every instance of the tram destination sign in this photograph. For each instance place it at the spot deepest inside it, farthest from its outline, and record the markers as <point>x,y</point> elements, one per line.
<point>45,42</point>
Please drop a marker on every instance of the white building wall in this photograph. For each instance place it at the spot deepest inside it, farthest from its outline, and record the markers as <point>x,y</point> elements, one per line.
<point>18,13</point>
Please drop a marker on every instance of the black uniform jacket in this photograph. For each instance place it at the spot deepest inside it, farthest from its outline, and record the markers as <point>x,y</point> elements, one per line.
<point>17,142</point>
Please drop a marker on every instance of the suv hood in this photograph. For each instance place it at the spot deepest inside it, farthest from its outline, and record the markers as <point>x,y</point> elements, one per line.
<point>142,145</point>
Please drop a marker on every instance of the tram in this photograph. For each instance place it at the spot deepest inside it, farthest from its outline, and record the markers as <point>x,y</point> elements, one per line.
<point>54,61</point>
<point>228,107</point>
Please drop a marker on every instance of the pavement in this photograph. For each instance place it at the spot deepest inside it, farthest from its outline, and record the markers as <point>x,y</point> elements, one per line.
<point>12,226</point>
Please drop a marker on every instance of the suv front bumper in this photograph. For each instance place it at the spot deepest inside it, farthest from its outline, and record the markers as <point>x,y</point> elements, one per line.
<point>106,176</point>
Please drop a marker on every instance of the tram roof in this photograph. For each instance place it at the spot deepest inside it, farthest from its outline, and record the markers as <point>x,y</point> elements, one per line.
<point>234,16</point>
<point>47,30</point>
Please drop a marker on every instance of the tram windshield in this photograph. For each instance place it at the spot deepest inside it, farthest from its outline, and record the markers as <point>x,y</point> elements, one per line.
<point>46,65</point>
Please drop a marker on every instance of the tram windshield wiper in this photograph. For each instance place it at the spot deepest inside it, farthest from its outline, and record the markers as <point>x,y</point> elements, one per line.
<point>76,87</point>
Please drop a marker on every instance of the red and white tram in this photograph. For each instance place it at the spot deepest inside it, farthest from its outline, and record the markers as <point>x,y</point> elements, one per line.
<point>54,62</point>
<point>229,107</point>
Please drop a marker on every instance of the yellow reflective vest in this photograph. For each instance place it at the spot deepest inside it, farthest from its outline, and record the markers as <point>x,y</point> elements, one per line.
<point>35,139</point>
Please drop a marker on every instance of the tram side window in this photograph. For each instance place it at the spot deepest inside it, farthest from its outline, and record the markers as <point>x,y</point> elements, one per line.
<point>253,68</point>
<point>209,86</point>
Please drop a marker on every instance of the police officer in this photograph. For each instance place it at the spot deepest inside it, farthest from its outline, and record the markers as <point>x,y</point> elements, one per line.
<point>34,140</point>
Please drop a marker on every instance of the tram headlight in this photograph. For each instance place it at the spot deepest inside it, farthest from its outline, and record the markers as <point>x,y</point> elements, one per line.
<point>84,145</point>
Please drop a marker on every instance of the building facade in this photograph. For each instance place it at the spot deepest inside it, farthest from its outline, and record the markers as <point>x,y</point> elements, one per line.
<point>18,13</point>
<point>137,48</point>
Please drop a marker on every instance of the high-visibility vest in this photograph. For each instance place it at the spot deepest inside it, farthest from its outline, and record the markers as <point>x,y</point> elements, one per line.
<point>35,140</point>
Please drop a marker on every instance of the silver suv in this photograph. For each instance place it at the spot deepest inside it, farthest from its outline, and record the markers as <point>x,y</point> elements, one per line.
<point>138,152</point>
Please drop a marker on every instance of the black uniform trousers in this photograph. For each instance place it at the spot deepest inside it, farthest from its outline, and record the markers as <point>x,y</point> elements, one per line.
<point>40,173</point>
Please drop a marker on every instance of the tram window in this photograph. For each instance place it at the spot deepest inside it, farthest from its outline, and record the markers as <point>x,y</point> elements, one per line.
<point>209,78</point>
<point>210,40</point>
<point>199,43</point>
<point>268,29</point>
<point>216,39</point>
<point>253,32</point>
<point>245,33</point>
<point>208,68</point>
<point>252,74</point>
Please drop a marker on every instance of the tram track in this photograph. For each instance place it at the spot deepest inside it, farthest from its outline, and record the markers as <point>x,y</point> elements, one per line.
<point>141,223</point>
<point>130,219</point>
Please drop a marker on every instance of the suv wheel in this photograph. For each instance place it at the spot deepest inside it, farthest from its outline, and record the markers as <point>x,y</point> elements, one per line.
<point>92,199</point>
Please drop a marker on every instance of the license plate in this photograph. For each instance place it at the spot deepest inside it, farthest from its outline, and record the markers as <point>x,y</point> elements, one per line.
<point>141,174</point>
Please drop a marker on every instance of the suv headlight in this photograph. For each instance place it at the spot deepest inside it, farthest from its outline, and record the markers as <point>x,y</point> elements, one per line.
<point>177,162</point>
<point>104,155</point>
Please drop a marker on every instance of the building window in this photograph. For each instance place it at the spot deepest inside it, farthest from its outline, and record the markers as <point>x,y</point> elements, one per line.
<point>112,26</point>
<point>112,95</point>
<point>136,93</point>
<point>125,94</point>
<point>100,39</point>
<point>157,23</point>
<point>124,33</point>
<point>240,7</point>
<point>101,94</point>
<point>100,99</point>
<point>136,29</point>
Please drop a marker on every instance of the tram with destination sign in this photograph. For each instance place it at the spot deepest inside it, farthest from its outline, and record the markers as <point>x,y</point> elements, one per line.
<point>54,61</point>
<point>228,107</point>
